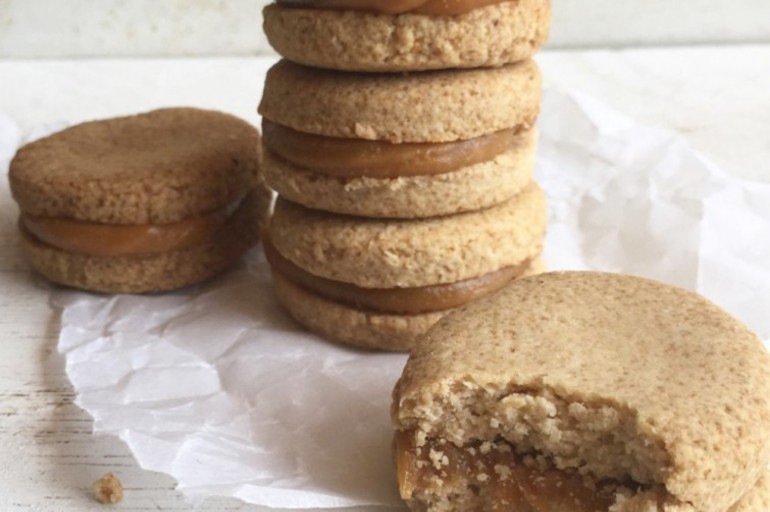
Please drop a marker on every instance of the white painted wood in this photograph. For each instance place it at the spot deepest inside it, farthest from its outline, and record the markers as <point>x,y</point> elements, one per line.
<point>56,28</point>
<point>602,23</point>
<point>48,457</point>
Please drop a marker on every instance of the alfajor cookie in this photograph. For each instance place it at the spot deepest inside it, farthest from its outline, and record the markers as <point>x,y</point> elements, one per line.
<point>381,283</point>
<point>144,203</point>
<point>583,391</point>
<point>400,146</point>
<point>406,35</point>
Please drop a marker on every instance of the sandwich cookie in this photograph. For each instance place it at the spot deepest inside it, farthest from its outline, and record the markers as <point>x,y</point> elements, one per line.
<point>382,283</point>
<point>583,391</point>
<point>145,203</point>
<point>406,35</point>
<point>400,146</point>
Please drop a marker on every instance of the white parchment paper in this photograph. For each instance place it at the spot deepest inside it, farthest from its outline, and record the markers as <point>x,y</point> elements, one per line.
<point>638,200</point>
<point>217,387</point>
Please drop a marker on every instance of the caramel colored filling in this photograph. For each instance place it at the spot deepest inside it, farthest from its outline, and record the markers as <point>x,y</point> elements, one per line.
<point>407,301</point>
<point>505,479</point>
<point>430,7</point>
<point>352,158</point>
<point>111,240</point>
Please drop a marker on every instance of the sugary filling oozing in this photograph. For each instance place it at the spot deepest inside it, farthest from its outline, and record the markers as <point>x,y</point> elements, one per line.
<point>431,470</point>
<point>354,158</point>
<point>393,300</point>
<point>429,7</point>
<point>113,240</point>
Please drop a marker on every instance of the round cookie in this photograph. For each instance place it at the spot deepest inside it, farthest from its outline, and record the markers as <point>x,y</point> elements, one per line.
<point>439,106</point>
<point>383,283</point>
<point>599,390</point>
<point>349,40</point>
<point>143,203</point>
<point>373,253</point>
<point>373,146</point>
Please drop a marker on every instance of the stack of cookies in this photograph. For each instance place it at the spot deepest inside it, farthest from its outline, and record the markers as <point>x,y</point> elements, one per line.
<point>400,139</point>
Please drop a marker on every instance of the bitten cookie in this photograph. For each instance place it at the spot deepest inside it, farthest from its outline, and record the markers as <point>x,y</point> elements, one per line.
<point>583,391</point>
<point>144,203</point>
<point>400,146</point>
<point>380,284</point>
<point>394,36</point>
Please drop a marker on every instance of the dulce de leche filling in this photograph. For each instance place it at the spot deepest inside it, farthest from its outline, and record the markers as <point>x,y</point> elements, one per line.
<point>407,301</point>
<point>111,240</point>
<point>504,479</point>
<point>429,7</point>
<point>353,158</point>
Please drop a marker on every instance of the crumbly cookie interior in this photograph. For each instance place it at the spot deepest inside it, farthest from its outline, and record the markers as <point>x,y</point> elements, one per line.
<point>527,449</point>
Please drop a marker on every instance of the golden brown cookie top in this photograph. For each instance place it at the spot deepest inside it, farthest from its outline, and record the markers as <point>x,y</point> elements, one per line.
<point>661,384</point>
<point>160,166</point>
<point>354,40</point>
<point>387,253</point>
<point>436,106</point>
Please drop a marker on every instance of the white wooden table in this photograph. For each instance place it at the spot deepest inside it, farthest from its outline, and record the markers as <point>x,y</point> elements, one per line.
<point>717,98</point>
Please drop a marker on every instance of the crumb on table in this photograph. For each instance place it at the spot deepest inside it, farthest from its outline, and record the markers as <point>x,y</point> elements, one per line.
<point>108,489</point>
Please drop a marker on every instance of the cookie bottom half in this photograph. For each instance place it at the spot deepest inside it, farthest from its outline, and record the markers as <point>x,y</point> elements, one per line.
<point>362,41</point>
<point>151,272</point>
<point>358,327</point>
<point>467,189</point>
